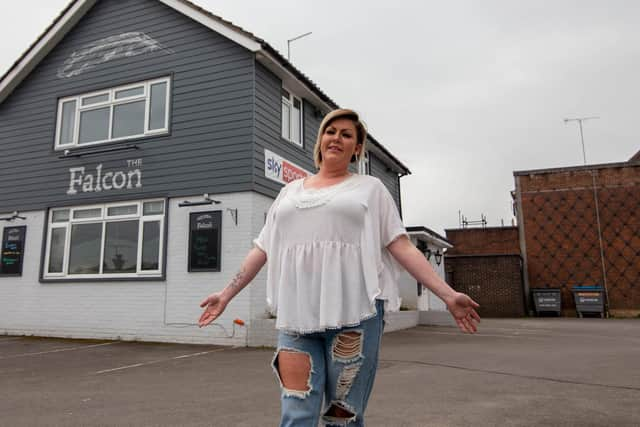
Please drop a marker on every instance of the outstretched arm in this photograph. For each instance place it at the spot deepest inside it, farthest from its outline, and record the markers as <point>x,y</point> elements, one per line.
<point>215,303</point>
<point>461,307</point>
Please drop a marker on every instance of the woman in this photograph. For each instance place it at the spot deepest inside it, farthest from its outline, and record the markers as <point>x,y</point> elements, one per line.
<point>332,242</point>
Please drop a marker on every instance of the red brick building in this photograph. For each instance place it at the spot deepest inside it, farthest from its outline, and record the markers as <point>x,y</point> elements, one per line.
<point>581,226</point>
<point>485,263</point>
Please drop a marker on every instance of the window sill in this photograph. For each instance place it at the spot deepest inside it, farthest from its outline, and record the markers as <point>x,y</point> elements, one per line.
<point>294,144</point>
<point>160,278</point>
<point>88,149</point>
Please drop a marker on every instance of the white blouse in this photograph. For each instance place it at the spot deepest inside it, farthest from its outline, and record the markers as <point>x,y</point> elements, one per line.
<point>327,260</point>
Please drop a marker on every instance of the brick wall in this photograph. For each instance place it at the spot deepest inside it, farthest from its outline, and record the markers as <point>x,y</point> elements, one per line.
<point>494,282</point>
<point>485,264</point>
<point>562,237</point>
<point>483,241</point>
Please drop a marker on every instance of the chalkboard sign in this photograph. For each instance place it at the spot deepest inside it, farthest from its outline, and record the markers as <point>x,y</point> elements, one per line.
<point>12,251</point>
<point>204,241</point>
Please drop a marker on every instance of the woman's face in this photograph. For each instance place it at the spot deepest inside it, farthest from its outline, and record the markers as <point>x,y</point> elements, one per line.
<point>339,143</point>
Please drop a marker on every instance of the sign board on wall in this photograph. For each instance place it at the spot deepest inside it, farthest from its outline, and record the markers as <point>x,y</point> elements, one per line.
<point>12,250</point>
<point>281,170</point>
<point>204,241</point>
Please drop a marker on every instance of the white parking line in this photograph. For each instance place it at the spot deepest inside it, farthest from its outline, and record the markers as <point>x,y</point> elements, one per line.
<point>535,334</point>
<point>57,350</point>
<point>184,356</point>
<point>4,340</point>
<point>477,334</point>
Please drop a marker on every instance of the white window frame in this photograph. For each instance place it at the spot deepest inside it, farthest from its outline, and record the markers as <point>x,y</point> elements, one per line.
<point>364,167</point>
<point>111,103</point>
<point>289,102</point>
<point>103,218</point>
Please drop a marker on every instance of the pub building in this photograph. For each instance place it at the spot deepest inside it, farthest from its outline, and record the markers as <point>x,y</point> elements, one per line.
<point>143,142</point>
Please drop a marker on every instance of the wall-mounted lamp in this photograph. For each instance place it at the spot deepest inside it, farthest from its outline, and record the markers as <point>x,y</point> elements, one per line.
<point>438,256</point>
<point>13,216</point>
<point>206,201</point>
<point>428,252</point>
<point>234,214</point>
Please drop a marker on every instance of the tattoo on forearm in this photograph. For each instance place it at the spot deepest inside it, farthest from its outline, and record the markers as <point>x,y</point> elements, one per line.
<point>237,280</point>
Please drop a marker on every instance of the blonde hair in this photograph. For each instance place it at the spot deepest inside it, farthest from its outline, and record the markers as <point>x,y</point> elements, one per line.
<point>340,113</point>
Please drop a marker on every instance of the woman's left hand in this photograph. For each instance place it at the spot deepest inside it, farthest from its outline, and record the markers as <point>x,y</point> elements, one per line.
<point>462,308</point>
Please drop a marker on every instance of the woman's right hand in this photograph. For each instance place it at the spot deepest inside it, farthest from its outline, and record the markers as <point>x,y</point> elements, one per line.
<point>213,306</point>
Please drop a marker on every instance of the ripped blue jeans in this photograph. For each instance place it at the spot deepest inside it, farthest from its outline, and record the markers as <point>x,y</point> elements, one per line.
<point>343,367</point>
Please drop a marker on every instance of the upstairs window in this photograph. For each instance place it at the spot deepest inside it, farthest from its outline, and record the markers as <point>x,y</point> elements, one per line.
<point>291,117</point>
<point>119,113</point>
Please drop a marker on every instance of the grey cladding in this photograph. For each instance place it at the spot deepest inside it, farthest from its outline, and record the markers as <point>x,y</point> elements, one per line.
<point>208,148</point>
<point>224,111</point>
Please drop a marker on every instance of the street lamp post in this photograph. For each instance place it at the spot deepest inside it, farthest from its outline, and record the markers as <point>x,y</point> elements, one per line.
<point>294,39</point>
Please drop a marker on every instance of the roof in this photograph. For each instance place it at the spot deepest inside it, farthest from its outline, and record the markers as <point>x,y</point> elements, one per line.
<point>572,168</point>
<point>434,237</point>
<point>264,52</point>
<point>635,157</point>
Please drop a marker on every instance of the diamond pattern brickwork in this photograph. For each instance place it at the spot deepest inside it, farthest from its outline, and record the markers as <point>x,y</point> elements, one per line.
<point>561,232</point>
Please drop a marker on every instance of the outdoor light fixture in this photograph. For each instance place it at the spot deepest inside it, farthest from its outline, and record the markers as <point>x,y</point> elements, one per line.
<point>428,252</point>
<point>14,215</point>
<point>234,214</point>
<point>207,201</point>
<point>438,256</point>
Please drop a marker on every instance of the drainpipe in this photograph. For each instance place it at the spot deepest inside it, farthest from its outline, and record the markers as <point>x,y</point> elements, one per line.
<point>523,247</point>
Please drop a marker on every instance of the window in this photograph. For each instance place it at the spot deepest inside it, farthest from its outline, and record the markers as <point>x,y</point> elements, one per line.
<point>204,241</point>
<point>291,118</point>
<point>106,241</point>
<point>116,114</point>
<point>363,165</point>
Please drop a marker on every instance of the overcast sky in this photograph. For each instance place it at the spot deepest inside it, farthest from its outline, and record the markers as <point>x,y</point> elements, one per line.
<point>462,92</point>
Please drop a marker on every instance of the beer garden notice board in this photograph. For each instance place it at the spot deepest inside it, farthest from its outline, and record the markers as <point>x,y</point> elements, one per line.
<point>12,250</point>
<point>204,241</point>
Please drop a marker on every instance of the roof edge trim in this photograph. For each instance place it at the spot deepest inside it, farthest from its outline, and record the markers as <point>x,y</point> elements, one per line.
<point>430,235</point>
<point>207,20</point>
<point>574,168</point>
<point>43,45</point>
<point>272,64</point>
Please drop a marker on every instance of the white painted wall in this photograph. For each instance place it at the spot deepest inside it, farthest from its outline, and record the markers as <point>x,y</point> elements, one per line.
<point>409,292</point>
<point>429,301</point>
<point>165,311</point>
<point>135,310</point>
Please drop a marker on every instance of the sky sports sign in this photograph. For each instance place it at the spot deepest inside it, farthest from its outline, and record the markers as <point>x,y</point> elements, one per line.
<point>281,170</point>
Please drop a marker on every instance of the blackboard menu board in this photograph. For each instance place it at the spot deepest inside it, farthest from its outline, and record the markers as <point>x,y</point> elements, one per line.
<point>204,241</point>
<point>12,251</point>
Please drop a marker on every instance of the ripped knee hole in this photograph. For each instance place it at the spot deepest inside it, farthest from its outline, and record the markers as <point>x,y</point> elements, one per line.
<point>294,370</point>
<point>348,345</point>
<point>339,411</point>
